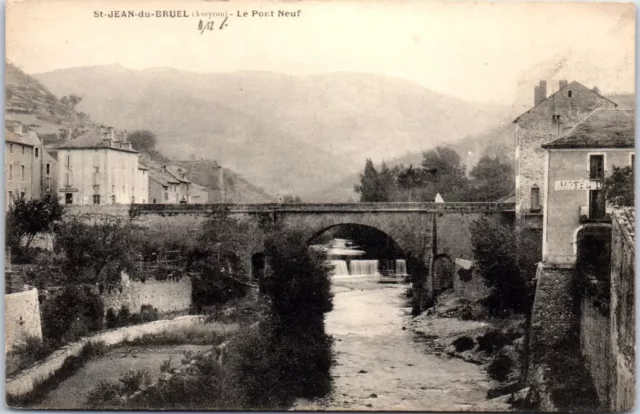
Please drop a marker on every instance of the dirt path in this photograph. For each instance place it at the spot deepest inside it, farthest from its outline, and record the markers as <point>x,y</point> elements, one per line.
<point>380,366</point>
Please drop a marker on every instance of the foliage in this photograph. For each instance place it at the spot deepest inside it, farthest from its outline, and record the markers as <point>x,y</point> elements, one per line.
<point>28,218</point>
<point>72,314</point>
<point>143,140</point>
<point>289,199</point>
<point>495,253</point>
<point>491,179</point>
<point>618,188</point>
<point>71,100</point>
<point>499,368</point>
<point>371,188</point>
<point>99,251</point>
<point>464,343</point>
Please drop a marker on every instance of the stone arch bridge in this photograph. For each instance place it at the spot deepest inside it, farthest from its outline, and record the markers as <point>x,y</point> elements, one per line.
<point>423,230</point>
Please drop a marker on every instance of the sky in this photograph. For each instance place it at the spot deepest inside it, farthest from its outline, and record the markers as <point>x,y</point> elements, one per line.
<point>487,52</point>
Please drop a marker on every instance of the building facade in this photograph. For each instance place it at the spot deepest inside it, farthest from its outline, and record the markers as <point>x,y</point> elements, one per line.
<point>550,118</point>
<point>576,165</point>
<point>23,164</point>
<point>99,168</point>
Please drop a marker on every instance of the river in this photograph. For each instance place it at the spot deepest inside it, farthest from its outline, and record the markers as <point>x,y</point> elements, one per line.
<point>379,366</point>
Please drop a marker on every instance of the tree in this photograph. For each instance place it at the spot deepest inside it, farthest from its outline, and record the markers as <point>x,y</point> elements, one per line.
<point>491,179</point>
<point>495,253</point>
<point>618,188</point>
<point>372,188</point>
<point>288,199</point>
<point>143,140</point>
<point>408,179</point>
<point>448,176</point>
<point>28,218</point>
<point>99,251</point>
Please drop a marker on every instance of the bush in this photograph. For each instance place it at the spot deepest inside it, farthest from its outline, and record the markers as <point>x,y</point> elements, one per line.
<point>74,313</point>
<point>133,380</point>
<point>148,313</point>
<point>111,319</point>
<point>124,316</point>
<point>464,343</point>
<point>493,341</point>
<point>500,367</point>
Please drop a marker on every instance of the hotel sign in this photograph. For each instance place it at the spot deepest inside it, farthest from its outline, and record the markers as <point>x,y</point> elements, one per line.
<point>577,185</point>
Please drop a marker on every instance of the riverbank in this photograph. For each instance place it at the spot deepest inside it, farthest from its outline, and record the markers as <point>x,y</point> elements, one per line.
<point>495,345</point>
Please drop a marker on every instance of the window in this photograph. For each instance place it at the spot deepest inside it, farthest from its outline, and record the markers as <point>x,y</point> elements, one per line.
<point>11,148</point>
<point>48,169</point>
<point>67,179</point>
<point>596,167</point>
<point>68,161</point>
<point>10,171</point>
<point>597,208</point>
<point>96,175</point>
<point>570,93</point>
<point>37,152</point>
<point>113,199</point>
<point>22,194</point>
<point>22,172</point>
<point>10,196</point>
<point>96,199</point>
<point>166,196</point>
<point>68,198</point>
<point>48,183</point>
<point>22,146</point>
<point>535,198</point>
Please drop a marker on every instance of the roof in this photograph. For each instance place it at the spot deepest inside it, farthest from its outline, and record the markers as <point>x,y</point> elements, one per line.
<point>162,178</point>
<point>177,173</point>
<point>509,198</point>
<point>626,218</point>
<point>569,85</point>
<point>93,139</point>
<point>141,166</point>
<point>29,138</point>
<point>603,128</point>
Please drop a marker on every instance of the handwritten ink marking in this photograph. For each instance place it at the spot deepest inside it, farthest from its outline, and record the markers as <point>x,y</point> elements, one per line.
<point>211,26</point>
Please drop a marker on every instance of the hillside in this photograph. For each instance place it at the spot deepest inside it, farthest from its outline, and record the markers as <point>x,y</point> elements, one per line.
<point>287,134</point>
<point>32,104</point>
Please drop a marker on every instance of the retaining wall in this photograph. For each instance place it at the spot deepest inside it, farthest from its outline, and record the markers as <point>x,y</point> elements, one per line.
<point>22,317</point>
<point>595,346</point>
<point>26,381</point>
<point>167,296</point>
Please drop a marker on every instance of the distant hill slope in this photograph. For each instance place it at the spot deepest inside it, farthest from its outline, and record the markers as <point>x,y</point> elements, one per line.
<point>32,104</point>
<point>287,134</point>
<point>496,142</point>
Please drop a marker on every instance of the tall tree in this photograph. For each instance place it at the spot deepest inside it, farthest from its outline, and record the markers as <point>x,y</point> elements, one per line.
<point>447,177</point>
<point>370,188</point>
<point>491,179</point>
<point>143,140</point>
<point>408,179</point>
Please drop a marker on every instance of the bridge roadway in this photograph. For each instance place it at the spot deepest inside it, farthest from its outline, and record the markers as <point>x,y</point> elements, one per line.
<point>386,207</point>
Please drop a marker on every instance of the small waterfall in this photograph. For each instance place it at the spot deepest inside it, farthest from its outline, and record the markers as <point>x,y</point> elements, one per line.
<point>401,267</point>
<point>364,267</point>
<point>339,267</point>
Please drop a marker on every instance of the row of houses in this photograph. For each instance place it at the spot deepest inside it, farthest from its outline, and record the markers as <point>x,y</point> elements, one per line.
<point>98,167</point>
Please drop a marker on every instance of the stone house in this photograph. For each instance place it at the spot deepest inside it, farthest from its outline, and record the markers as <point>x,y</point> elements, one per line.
<point>575,166</point>
<point>169,185</point>
<point>23,165</point>
<point>550,117</point>
<point>99,168</point>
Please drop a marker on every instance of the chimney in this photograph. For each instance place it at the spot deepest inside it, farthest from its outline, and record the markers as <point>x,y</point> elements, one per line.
<point>540,92</point>
<point>563,83</point>
<point>220,181</point>
<point>124,136</point>
<point>112,133</point>
<point>17,129</point>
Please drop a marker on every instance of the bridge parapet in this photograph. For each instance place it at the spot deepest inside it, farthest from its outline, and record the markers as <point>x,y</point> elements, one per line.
<point>137,209</point>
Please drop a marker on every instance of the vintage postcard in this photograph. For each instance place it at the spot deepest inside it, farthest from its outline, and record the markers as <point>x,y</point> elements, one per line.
<point>319,205</point>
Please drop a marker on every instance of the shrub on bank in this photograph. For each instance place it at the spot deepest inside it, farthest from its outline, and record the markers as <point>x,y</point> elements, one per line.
<point>464,343</point>
<point>71,315</point>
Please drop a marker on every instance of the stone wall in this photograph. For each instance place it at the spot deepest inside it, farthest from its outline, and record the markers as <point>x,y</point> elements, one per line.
<point>622,317</point>
<point>22,317</point>
<point>552,314</point>
<point>168,296</point>
<point>27,380</point>
<point>595,346</point>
